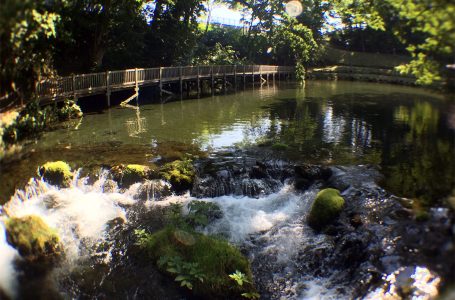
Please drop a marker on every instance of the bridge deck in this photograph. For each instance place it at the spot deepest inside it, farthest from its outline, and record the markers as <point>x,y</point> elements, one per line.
<point>105,82</point>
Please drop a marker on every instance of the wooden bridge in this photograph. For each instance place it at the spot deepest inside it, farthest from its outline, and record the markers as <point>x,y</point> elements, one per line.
<point>107,82</point>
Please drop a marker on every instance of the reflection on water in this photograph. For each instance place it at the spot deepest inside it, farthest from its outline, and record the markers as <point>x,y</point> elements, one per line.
<point>137,125</point>
<point>409,133</point>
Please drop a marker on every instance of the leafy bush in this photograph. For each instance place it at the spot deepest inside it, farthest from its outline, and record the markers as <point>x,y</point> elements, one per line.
<point>201,213</point>
<point>33,119</point>
<point>186,272</point>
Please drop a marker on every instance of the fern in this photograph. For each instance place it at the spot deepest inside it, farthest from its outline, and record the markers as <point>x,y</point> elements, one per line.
<point>239,277</point>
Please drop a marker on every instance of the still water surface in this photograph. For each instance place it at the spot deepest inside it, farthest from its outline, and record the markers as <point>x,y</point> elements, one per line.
<point>409,133</point>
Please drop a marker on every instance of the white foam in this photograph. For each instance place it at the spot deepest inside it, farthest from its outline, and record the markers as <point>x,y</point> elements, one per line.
<point>316,289</point>
<point>243,216</point>
<point>8,254</point>
<point>79,214</point>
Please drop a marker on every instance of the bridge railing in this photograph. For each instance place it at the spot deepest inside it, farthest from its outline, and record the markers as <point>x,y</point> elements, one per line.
<point>95,82</point>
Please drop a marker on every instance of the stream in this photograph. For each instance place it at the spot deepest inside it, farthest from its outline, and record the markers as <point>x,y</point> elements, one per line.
<point>261,155</point>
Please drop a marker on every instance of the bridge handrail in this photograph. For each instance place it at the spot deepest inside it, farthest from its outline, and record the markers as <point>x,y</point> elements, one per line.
<point>70,85</point>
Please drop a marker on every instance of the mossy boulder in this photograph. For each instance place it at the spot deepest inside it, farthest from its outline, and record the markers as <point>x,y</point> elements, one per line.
<point>326,208</point>
<point>180,173</point>
<point>34,239</point>
<point>127,175</point>
<point>280,146</point>
<point>200,263</point>
<point>56,173</point>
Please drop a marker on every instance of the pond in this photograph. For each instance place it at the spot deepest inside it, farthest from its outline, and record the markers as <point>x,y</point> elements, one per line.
<point>386,143</point>
<point>406,131</point>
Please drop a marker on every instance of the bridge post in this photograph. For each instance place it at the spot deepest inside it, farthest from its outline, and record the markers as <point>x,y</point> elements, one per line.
<point>235,76</point>
<point>252,74</point>
<point>108,89</point>
<point>161,82</point>
<point>74,88</point>
<point>198,82</point>
<point>224,83</point>
<point>244,76</point>
<point>181,80</point>
<point>213,79</point>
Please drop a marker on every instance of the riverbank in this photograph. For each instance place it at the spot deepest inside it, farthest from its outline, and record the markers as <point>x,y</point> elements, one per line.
<point>31,120</point>
<point>357,73</point>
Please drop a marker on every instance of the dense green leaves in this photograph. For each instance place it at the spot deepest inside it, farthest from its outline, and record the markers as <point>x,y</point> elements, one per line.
<point>27,28</point>
<point>44,38</point>
<point>427,27</point>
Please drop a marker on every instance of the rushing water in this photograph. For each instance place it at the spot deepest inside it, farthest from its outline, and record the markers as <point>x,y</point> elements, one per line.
<point>407,133</point>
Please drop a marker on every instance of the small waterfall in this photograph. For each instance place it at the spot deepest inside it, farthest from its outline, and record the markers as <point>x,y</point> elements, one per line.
<point>240,176</point>
<point>273,230</point>
<point>219,186</point>
<point>245,215</point>
<point>80,214</point>
<point>150,190</point>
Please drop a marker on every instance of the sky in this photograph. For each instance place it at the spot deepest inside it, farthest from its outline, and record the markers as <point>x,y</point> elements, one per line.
<point>222,14</point>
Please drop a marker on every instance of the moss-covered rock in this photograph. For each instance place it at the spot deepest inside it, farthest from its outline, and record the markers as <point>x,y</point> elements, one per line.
<point>280,146</point>
<point>326,207</point>
<point>127,175</point>
<point>56,173</point>
<point>34,239</point>
<point>180,173</point>
<point>200,263</point>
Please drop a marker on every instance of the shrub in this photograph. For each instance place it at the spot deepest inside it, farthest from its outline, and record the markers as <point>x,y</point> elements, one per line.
<point>201,213</point>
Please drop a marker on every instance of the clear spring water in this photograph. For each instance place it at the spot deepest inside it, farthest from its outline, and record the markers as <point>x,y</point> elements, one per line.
<point>407,132</point>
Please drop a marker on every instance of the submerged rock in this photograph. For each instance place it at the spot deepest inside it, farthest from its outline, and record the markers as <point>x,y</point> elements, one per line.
<point>240,175</point>
<point>34,239</point>
<point>326,207</point>
<point>307,174</point>
<point>56,173</point>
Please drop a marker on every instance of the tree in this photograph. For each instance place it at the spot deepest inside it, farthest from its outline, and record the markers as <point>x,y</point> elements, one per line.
<point>173,31</point>
<point>434,20</point>
<point>91,30</point>
<point>427,27</point>
<point>293,45</point>
<point>27,28</point>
